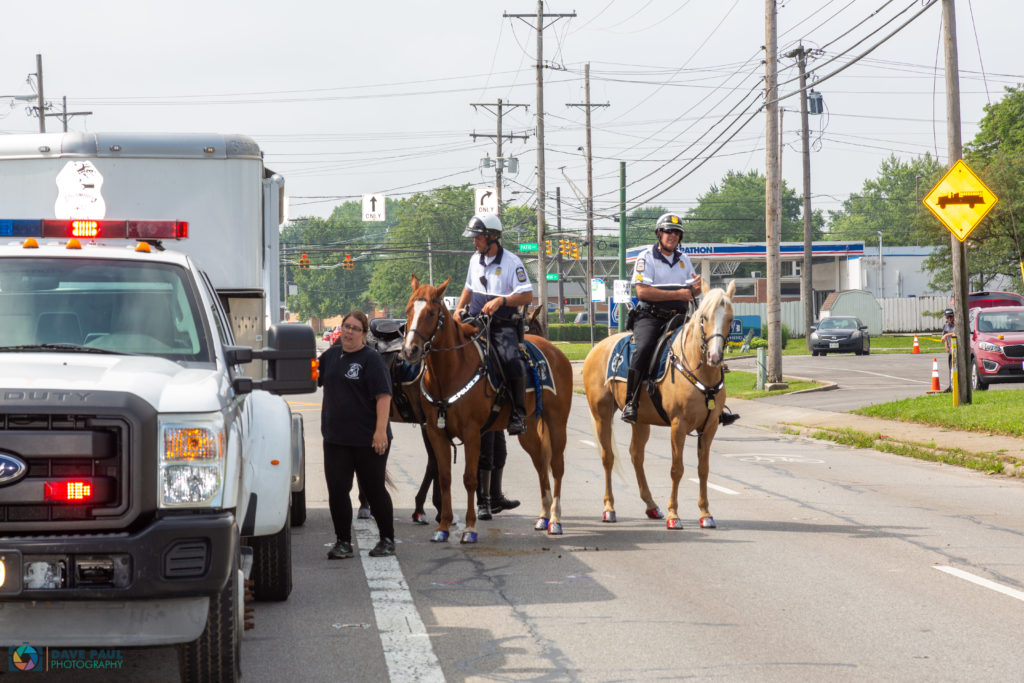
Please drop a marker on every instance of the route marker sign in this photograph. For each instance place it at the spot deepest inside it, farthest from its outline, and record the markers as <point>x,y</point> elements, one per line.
<point>960,200</point>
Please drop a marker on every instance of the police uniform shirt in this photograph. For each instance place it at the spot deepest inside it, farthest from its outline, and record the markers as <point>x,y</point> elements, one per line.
<point>502,275</point>
<point>653,268</point>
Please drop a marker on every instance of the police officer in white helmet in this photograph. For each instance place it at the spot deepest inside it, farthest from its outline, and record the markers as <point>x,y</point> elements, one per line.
<point>497,285</point>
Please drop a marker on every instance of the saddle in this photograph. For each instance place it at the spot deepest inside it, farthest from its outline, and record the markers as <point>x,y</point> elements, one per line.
<point>385,336</point>
<point>652,376</point>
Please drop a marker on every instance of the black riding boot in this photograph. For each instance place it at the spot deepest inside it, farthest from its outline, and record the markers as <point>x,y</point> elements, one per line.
<point>517,420</point>
<point>632,395</point>
<point>483,494</point>
<point>499,502</point>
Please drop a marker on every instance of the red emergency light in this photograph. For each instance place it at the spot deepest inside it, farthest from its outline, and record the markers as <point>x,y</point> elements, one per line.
<point>70,491</point>
<point>104,229</point>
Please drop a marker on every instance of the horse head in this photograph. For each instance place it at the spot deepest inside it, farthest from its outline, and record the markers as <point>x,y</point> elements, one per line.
<point>426,315</point>
<point>714,318</point>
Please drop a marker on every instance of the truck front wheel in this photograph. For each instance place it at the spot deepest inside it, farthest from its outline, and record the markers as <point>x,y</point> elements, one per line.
<point>217,654</point>
<point>272,564</point>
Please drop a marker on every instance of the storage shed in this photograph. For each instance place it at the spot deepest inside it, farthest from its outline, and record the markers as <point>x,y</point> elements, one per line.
<point>855,302</point>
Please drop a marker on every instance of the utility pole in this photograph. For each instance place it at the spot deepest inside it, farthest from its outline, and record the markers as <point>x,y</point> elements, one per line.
<point>622,234</point>
<point>587,106</point>
<point>542,288</point>
<point>64,114</point>
<point>561,280</point>
<point>772,197</point>
<point>806,275</point>
<point>954,153</point>
<point>499,163</point>
<point>42,104</point>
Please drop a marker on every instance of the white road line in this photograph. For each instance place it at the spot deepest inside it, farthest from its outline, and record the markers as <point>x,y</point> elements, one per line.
<point>992,585</point>
<point>587,442</point>
<point>407,649</point>
<point>716,487</point>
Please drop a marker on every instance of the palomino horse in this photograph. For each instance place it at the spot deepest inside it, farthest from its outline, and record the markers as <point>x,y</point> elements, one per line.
<point>457,400</point>
<point>692,397</point>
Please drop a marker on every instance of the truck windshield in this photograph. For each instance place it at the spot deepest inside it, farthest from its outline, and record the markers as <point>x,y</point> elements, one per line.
<point>110,305</point>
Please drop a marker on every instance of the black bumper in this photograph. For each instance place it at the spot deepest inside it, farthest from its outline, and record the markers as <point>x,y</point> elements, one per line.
<point>176,556</point>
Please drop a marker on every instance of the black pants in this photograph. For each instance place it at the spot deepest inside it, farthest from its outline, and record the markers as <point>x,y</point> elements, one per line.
<point>646,330</point>
<point>505,338</point>
<point>493,450</point>
<point>340,464</point>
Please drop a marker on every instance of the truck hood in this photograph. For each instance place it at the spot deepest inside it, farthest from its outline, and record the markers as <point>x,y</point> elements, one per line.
<point>165,385</point>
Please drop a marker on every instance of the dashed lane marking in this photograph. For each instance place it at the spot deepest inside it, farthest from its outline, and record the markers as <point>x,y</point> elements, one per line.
<point>407,649</point>
<point>991,585</point>
<point>716,487</point>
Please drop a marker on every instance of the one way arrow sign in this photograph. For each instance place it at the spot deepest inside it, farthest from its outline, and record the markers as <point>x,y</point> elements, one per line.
<point>485,200</point>
<point>373,207</point>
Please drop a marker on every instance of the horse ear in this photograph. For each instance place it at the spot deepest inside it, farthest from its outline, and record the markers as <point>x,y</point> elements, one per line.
<point>415,282</point>
<point>443,286</point>
<point>731,289</point>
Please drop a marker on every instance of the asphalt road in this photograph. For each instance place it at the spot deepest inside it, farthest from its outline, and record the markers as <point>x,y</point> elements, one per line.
<point>828,563</point>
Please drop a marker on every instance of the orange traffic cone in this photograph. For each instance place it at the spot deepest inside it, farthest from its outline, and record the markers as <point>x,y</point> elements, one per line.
<point>917,347</point>
<point>935,377</point>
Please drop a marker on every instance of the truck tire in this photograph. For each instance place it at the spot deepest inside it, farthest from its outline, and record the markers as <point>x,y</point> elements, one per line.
<point>272,564</point>
<point>217,654</point>
<point>298,512</point>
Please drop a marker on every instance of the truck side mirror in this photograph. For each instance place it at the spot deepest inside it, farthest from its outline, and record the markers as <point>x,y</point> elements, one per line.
<point>291,361</point>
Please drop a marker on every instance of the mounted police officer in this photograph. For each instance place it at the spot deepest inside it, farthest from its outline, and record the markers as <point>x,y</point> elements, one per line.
<point>666,284</point>
<point>497,285</point>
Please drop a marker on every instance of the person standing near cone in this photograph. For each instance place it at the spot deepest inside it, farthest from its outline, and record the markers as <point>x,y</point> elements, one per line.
<point>948,333</point>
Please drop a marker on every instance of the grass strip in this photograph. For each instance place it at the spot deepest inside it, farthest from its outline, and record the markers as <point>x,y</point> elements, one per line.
<point>992,463</point>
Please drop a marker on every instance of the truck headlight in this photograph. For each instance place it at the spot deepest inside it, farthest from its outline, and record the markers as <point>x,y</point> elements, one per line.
<point>191,468</point>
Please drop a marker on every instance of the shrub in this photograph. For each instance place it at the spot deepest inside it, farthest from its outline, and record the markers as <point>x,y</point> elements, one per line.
<point>783,332</point>
<point>575,333</point>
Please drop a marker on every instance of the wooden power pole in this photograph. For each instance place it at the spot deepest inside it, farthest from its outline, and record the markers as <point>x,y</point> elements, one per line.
<point>772,196</point>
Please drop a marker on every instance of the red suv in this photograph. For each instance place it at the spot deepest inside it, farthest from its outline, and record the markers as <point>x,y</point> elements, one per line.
<point>990,299</point>
<point>997,345</point>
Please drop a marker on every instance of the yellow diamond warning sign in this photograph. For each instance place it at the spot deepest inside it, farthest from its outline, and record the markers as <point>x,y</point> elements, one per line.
<point>960,200</point>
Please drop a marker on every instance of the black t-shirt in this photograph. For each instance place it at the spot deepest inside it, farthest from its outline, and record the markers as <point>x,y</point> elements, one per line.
<point>351,382</point>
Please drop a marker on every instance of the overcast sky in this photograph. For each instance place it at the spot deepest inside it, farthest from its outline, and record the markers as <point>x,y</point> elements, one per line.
<point>348,98</point>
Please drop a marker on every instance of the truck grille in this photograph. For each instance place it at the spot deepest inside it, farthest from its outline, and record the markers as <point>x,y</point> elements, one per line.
<point>90,451</point>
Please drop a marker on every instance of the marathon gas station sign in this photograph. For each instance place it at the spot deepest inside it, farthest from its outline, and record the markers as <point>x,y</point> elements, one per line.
<point>757,251</point>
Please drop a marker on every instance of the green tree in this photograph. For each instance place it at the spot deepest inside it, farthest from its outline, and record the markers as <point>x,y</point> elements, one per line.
<point>891,204</point>
<point>733,211</point>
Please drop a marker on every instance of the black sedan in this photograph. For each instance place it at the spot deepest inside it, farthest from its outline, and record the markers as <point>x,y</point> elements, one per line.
<point>840,334</point>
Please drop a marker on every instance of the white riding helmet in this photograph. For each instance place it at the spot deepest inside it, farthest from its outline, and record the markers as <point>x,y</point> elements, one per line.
<point>483,224</point>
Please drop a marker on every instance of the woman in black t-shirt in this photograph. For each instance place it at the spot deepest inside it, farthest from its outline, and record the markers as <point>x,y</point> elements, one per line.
<point>357,434</point>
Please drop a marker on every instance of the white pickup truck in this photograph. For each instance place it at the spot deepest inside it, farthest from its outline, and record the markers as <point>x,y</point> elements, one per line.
<point>148,463</point>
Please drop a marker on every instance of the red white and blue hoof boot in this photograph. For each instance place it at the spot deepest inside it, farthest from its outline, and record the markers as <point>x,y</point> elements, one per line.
<point>609,516</point>
<point>674,523</point>
<point>707,522</point>
<point>439,537</point>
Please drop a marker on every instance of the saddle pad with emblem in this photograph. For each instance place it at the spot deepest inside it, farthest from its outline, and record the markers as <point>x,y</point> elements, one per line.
<point>622,354</point>
<point>537,369</point>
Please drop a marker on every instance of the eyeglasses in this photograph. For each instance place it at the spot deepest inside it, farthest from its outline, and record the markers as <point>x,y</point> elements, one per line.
<point>352,328</point>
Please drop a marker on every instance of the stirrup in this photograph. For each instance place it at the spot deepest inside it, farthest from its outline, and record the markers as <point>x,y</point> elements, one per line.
<point>629,414</point>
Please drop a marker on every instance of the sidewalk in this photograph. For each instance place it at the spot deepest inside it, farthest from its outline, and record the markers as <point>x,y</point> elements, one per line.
<point>754,413</point>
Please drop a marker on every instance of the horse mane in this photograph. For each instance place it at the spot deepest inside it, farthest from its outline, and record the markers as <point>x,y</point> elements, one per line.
<point>710,301</point>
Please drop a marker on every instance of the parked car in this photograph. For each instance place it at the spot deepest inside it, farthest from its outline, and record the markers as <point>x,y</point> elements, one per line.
<point>997,345</point>
<point>583,319</point>
<point>327,334</point>
<point>990,299</point>
<point>335,334</point>
<point>839,334</point>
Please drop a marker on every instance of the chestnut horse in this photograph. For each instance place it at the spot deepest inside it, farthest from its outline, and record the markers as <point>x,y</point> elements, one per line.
<point>692,397</point>
<point>457,398</point>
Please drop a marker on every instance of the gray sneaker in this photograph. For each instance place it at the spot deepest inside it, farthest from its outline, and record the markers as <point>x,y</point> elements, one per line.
<point>384,548</point>
<point>340,551</point>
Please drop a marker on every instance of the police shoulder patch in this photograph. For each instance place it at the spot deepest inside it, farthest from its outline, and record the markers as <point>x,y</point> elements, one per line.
<point>521,274</point>
<point>640,261</point>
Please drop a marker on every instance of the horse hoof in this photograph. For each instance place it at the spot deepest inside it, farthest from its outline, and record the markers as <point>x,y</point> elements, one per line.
<point>609,516</point>
<point>542,524</point>
<point>555,529</point>
<point>674,523</point>
<point>364,513</point>
<point>439,537</point>
<point>707,523</point>
<point>468,537</point>
<point>655,513</point>
<point>419,518</point>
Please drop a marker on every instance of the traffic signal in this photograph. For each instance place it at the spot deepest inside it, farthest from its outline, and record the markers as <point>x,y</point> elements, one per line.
<point>576,250</point>
<point>304,262</point>
<point>348,263</point>
<point>547,247</point>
